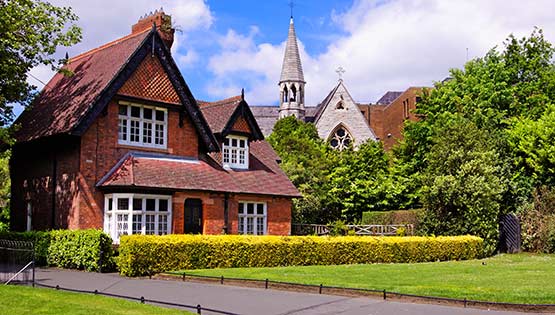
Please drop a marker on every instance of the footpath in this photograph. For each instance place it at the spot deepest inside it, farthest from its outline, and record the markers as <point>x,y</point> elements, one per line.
<point>241,300</point>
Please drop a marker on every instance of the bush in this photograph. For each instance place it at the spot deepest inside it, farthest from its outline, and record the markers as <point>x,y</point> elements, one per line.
<point>90,250</point>
<point>148,254</point>
<point>40,239</point>
<point>392,217</point>
<point>80,249</point>
<point>538,222</point>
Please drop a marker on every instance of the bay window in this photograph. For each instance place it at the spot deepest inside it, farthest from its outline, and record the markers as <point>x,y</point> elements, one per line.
<point>144,126</point>
<point>252,218</point>
<point>127,214</point>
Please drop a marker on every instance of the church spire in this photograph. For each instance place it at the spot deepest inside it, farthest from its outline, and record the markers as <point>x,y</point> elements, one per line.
<point>292,82</point>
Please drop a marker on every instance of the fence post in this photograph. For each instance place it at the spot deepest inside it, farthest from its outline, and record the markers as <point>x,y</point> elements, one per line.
<point>199,309</point>
<point>266,286</point>
<point>222,280</point>
<point>384,295</point>
<point>33,265</point>
<point>321,285</point>
<point>183,276</point>
<point>464,302</point>
<point>142,300</point>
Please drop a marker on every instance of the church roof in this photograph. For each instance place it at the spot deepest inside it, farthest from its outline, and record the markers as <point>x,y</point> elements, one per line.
<point>389,97</point>
<point>292,70</point>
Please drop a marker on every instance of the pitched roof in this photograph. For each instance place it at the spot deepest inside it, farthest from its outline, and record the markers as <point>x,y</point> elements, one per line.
<point>161,171</point>
<point>69,104</point>
<point>291,70</point>
<point>66,99</point>
<point>389,97</point>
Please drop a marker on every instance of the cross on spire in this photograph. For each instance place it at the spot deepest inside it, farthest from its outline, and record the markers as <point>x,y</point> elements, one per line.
<point>340,72</point>
<point>291,5</point>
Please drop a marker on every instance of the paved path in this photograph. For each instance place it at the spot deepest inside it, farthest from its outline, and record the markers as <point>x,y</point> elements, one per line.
<point>242,300</point>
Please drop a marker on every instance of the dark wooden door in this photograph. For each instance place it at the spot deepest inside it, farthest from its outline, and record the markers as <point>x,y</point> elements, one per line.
<point>193,216</point>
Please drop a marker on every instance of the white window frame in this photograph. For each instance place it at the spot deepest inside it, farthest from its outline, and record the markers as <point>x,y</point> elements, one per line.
<point>242,223</point>
<point>124,122</point>
<point>231,154</point>
<point>111,213</point>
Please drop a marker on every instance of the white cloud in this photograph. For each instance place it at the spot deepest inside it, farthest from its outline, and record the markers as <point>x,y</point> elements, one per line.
<point>389,45</point>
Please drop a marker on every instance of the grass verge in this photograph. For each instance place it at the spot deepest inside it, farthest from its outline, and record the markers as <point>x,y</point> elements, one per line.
<point>27,300</point>
<point>517,278</point>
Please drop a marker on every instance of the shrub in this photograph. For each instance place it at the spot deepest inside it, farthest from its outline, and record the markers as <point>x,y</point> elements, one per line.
<point>538,222</point>
<point>80,249</point>
<point>147,254</point>
<point>392,217</point>
<point>40,239</point>
<point>73,249</point>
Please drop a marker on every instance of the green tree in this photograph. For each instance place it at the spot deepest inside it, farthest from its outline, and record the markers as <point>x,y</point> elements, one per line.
<point>31,32</point>
<point>5,185</point>
<point>307,160</point>
<point>464,181</point>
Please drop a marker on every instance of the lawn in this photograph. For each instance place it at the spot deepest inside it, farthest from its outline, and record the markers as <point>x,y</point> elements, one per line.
<point>518,278</point>
<point>28,300</point>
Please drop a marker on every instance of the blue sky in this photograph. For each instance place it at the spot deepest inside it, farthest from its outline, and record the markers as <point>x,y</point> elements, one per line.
<point>383,45</point>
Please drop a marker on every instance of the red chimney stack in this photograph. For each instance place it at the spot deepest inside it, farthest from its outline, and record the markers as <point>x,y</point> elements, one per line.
<point>163,25</point>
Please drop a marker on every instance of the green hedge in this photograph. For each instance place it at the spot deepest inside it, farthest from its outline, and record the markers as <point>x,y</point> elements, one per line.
<point>392,217</point>
<point>146,254</point>
<point>90,250</point>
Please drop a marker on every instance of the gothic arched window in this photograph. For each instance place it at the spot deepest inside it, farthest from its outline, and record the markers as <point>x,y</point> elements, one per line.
<point>341,139</point>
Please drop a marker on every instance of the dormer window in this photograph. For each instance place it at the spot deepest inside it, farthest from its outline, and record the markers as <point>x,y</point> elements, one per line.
<point>144,126</point>
<point>236,152</point>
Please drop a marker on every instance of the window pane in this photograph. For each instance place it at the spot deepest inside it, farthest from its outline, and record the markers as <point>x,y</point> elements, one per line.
<point>241,208</point>
<point>160,115</point>
<point>234,142</point>
<point>122,129</point>
<point>149,223</point>
<point>110,204</point>
<point>150,204</point>
<point>162,224</point>
<point>137,223</point>
<point>163,205</point>
<point>159,135</point>
<point>260,208</point>
<point>147,132</point>
<point>122,225</point>
<point>241,225</point>
<point>123,204</point>
<point>147,113</point>
<point>260,225</point>
<point>137,204</point>
<point>250,208</point>
<point>135,131</point>
<point>226,155</point>
<point>123,110</point>
<point>135,111</point>
<point>226,141</point>
<point>250,225</point>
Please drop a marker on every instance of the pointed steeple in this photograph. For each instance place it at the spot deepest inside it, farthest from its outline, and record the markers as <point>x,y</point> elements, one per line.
<point>291,83</point>
<point>292,69</point>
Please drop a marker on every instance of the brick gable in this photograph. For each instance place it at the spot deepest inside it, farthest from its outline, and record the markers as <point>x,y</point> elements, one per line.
<point>150,81</point>
<point>241,125</point>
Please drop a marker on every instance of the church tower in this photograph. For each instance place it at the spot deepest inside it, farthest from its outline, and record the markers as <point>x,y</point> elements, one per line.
<point>291,82</point>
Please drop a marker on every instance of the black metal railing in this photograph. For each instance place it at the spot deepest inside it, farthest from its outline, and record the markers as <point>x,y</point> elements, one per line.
<point>17,262</point>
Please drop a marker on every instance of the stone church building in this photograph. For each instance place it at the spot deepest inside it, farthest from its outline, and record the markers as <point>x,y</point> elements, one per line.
<point>339,119</point>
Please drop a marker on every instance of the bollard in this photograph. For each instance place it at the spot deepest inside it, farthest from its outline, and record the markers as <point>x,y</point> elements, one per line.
<point>266,286</point>
<point>183,276</point>
<point>464,302</point>
<point>95,291</point>
<point>142,300</point>
<point>321,285</point>
<point>199,309</point>
<point>222,280</point>
<point>384,295</point>
<point>57,287</point>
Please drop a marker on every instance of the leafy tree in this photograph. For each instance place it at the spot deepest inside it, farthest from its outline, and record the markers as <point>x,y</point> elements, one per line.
<point>5,185</point>
<point>31,32</point>
<point>307,160</point>
<point>463,184</point>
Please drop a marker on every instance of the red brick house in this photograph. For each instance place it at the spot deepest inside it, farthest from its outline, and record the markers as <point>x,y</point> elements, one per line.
<point>121,144</point>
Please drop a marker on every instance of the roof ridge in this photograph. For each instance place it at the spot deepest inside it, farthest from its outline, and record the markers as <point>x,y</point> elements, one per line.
<point>226,101</point>
<point>107,45</point>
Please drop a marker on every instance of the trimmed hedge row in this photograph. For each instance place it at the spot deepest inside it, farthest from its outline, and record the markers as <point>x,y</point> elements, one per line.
<point>141,255</point>
<point>90,250</point>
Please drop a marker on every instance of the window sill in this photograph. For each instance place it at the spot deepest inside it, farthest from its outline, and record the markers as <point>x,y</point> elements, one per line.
<point>143,148</point>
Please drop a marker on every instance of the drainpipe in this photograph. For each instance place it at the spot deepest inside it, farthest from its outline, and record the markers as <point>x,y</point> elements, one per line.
<point>226,213</point>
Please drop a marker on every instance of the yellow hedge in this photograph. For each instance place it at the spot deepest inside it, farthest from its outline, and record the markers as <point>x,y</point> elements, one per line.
<point>147,254</point>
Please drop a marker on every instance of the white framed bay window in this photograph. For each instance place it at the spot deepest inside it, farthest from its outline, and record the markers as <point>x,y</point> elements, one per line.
<point>235,152</point>
<point>126,214</point>
<point>253,218</point>
<point>141,125</point>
